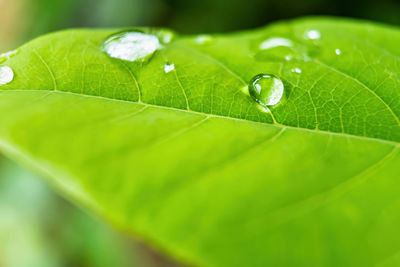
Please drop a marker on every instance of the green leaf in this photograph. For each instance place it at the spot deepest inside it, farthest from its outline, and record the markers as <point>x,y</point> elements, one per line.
<point>187,159</point>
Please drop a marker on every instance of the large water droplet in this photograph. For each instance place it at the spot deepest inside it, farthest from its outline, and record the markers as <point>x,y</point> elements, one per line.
<point>312,35</point>
<point>266,89</point>
<point>338,51</point>
<point>169,67</point>
<point>6,75</point>
<point>131,46</point>
<point>275,42</point>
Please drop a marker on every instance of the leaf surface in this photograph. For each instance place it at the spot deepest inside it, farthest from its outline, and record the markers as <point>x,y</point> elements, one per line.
<point>188,161</point>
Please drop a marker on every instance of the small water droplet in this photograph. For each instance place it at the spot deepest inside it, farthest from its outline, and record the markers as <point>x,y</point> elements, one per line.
<point>131,46</point>
<point>288,57</point>
<point>8,55</point>
<point>266,89</point>
<point>296,70</point>
<point>166,36</point>
<point>6,75</point>
<point>338,51</point>
<point>169,67</point>
<point>312,35</point>
<point>275,42</point>
<point>204,39</point>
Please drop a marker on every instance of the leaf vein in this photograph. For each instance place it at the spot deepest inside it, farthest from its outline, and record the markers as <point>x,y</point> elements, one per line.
<point>48,69</point>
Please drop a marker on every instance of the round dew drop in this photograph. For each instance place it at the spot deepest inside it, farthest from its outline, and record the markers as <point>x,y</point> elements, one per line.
<point>6,75</point>
<point>131,46</point>
<point>266,89</point>
<point>312,35</point>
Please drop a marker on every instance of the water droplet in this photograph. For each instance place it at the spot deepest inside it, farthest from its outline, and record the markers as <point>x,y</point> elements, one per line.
<point>8,55</point>
<point>6,75</point>
<point>288,57</point>
<point>312,35</point>
<point>169,67</point>
<point>275,42</point>
<point>266,89</point>
<point>338,51</point>
<point>204,39</point>
<point>166,36</point>
<point>131,46</point>
<point>296,70</point>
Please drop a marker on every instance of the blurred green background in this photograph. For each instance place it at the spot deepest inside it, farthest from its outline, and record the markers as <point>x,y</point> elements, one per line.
<point>40,228</point>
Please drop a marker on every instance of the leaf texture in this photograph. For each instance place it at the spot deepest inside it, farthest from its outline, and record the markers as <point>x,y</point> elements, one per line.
<point>188,161</point>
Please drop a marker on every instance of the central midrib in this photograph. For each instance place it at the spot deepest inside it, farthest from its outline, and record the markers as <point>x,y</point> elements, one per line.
<point>390,142</point>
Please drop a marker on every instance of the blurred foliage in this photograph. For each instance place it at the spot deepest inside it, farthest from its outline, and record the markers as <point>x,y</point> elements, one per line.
<point>37,228</point>
<point>200,15</point>
<point>40,227</point>
<point>31,18</point>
